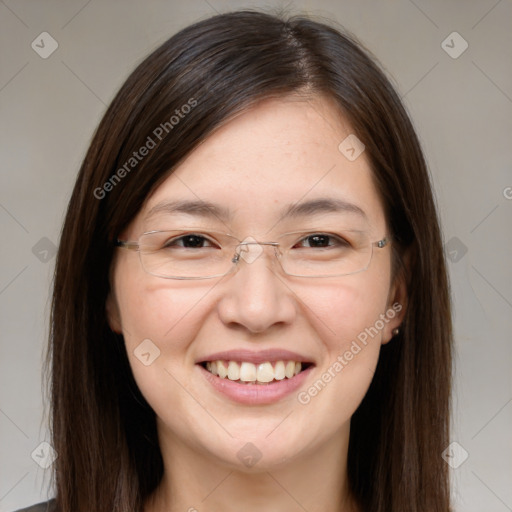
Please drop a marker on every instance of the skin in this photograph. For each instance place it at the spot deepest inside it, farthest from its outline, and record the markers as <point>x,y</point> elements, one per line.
<point>277,153</point>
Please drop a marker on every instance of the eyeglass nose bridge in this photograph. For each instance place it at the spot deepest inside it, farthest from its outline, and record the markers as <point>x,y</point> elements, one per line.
<point>250,257</point>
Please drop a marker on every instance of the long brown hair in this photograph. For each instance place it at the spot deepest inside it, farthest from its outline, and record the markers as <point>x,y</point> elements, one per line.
<point>102,427</point>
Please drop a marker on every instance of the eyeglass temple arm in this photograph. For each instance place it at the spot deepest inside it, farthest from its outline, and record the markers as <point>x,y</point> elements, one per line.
<point>134,246</point>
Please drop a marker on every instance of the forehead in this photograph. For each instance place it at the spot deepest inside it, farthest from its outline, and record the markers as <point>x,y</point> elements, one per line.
<point>268,161</point>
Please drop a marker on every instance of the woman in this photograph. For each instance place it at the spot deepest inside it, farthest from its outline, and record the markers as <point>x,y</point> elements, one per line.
<point>250,302</point>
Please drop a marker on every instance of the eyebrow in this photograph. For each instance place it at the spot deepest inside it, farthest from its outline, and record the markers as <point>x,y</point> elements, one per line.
<point>209,210</point>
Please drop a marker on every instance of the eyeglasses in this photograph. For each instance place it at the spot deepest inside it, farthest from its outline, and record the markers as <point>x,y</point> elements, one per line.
<point>196,253</point>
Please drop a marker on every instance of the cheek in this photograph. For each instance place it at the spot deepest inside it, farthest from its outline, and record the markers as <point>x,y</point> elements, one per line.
<point>161,321</point>
<point>170,319</point>
<point>350,319</point>
<point>156,309</point>
<point>347,307</point>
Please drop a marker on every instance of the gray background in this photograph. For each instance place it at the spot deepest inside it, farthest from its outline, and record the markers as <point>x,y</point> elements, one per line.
<point>461,108</point>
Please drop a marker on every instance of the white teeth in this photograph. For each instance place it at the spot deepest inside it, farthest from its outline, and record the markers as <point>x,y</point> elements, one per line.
<point>289,370</point>
<point>250,373</point>
<point>265,373</point>
<point>279,371</point>
<point>233,371</point>
<point>222,371</point>
<point>247,371</point>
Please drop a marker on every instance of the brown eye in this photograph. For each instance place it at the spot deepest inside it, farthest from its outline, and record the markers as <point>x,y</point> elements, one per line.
<point>322,240</point>
<point>190,241</point>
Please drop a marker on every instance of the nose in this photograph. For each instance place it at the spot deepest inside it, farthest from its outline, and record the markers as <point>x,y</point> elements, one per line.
<point>256,296</point>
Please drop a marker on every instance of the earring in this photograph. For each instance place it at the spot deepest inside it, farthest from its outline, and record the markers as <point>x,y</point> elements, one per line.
<point>395,331</point>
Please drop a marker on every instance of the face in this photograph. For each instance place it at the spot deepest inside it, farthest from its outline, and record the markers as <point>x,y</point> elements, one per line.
<point>281,153</point>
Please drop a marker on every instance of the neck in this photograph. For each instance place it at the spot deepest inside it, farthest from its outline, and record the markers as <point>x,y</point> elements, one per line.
<point>312,481</point>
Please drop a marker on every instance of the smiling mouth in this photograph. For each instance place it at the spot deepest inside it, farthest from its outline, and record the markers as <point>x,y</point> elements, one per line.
<point>248,373</point>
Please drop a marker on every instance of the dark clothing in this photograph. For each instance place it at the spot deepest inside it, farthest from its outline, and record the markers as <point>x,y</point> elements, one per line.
<point>45,506</point>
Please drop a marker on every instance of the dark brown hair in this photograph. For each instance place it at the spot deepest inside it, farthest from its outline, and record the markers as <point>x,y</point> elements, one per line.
<point>102,427</point>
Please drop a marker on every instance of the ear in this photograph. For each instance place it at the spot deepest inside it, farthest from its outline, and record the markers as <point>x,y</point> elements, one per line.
<point>397,301</point>
<point>113,316</point>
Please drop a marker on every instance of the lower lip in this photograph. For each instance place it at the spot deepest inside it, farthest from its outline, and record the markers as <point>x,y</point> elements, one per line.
<point>256,394</point>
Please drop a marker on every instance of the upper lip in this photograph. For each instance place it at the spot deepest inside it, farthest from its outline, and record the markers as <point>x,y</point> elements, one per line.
<point>261,356</point>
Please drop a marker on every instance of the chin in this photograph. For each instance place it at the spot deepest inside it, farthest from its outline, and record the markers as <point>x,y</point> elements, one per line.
<point>258,453</point>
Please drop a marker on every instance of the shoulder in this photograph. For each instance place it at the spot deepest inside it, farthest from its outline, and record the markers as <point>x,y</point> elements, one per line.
<point>45,506</point>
